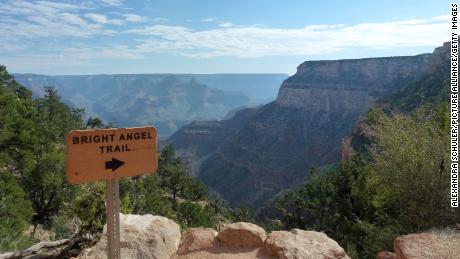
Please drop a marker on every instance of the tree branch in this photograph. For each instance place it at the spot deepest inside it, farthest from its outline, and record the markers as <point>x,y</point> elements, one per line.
<point>57,249</point>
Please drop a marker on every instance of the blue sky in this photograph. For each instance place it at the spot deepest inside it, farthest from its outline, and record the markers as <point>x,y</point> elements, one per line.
<point>210,36</point>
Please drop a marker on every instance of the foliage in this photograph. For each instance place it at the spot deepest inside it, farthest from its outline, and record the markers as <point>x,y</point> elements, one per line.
<point>242,214</point>
<point>411,172</point>
<point>192,214</point>
<point>97,123</point>
<point>171,193</point>
<point>400,186</point>
<point>145,196</point>
<point>15,213</point>
<point>88,205</point>
<point>34,190</point>
<point>94,123</point>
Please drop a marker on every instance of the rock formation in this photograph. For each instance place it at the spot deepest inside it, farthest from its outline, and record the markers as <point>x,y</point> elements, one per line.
<point>242,234</point>
<point>348,85</point>
<point>275,147</point>
<point>144,236</point>
<point>246,240</point>
<point>158,237</point>
<point>198,140</point>
<point>441,243</point>
<point>302,244</point>
<point>196,239</point>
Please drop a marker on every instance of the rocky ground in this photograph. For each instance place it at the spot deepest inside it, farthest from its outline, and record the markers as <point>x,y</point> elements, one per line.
<point>157,237</point>
<point>435,244</point>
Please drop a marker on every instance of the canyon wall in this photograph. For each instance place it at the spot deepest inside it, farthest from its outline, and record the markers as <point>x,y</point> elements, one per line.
<point>275,147</point>
<point>348,85</point>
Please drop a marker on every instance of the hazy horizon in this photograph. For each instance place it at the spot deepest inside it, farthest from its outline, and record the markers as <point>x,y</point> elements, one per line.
<point>69,37</point>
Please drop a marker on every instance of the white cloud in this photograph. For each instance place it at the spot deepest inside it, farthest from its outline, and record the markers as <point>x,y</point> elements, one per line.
<point>445,17</point>
<point>99,18</point>
<point>130,17</point>
<point>60,58</point>
<point>160,19</point>
<point>60,6</point>
<point>72,19</point>
<point>113,2</point>
<point>252,41</point>
<point>209,19</point>
<point>226,24</point>
<point>102,19</point>
<point>45,19</point>
<point>23,24</point>
<point>46,27</point>
<point>37,8</point>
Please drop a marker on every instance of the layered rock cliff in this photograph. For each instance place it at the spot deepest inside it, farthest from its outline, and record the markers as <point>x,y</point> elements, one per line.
<point>196,141</point>
<point>348,85</point>
<point>277,145</point>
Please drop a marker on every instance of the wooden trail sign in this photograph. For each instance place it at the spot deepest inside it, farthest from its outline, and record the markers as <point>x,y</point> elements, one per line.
<point>110,153</point>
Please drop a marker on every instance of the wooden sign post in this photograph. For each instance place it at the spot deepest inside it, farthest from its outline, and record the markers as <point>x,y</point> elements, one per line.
<point>109,154</point>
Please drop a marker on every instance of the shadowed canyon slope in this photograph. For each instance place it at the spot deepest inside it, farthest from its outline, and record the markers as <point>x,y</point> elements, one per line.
<point>165,101</point>
<point>273,147</point>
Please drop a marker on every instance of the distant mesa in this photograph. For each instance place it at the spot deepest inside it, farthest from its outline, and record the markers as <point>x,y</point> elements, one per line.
<point>166,101</point>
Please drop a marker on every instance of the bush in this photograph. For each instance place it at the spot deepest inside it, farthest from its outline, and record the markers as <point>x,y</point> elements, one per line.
<point>15,214</point>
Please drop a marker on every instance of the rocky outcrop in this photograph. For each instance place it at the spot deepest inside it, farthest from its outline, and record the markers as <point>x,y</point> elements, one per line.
<point>349,85</point>
<point>414,246</point>
<point>439,56</point>
<point>325,100</point>
<point>144,236</point>
<point>196,239</point>
<point>302,244</point>
<point>246,240</point>
<point>158,237</point>
<point>242,234</point>
<point>441,243</point>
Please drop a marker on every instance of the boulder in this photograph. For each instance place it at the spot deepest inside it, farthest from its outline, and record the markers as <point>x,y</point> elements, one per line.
<point>385,255</point>
<point>302,244</point>
<point>242,234</point>
<point>442,243</point>
<point>413,245</point>
<point>196,239</point>
<point>143,236</point>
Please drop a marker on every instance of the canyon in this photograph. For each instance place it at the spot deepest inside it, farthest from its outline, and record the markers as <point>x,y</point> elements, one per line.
<point>259,152</point>
<point>166,101</point>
